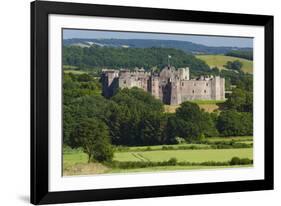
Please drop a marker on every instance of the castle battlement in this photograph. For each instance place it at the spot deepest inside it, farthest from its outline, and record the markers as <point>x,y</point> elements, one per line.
<point>172,86</point>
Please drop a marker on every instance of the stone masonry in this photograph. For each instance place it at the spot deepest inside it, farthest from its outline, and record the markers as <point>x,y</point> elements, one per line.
<point>172,86</point>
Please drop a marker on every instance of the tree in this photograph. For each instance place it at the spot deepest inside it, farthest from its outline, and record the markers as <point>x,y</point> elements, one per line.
<point>93,136</point>
<point>240,100</point>
<point>235,65</point>
<point>190,123</point>
<point>233,123</point>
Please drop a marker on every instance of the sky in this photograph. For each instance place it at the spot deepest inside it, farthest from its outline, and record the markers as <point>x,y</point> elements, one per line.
<point>199,39</point>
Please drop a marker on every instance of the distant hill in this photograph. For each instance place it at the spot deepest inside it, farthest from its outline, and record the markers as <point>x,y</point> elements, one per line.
<point>220,60</point>
<point>185,46</point>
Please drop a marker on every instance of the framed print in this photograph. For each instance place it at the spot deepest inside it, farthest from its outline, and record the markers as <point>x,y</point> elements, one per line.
<point>133,102</point>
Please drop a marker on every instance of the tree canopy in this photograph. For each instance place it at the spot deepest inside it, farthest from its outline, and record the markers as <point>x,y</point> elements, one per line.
<point>111,57</point>
<point>93,136</point>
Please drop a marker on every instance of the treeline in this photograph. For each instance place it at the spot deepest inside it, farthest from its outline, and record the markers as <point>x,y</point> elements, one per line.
<point>174,162</point>
<point>110,57</point>
<point>135,117</point>
<point>247,54</point>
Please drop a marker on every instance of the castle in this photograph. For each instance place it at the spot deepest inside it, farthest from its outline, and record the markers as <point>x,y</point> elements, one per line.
<point>172,86</point>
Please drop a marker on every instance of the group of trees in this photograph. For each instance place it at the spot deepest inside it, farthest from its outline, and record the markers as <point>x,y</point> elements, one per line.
<point>113,57</point>
<point>246,54</point>
<point>234,65</point>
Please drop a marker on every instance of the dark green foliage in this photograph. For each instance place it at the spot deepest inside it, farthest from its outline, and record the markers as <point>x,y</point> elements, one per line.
<point>240,100</point>
<point>135,118</point>
<point>129,58</point>
<point>190,123</point>
<point>235,65</point>
<point>240,161</point>
<point>233,123</point>
<point>247,54</point>
<point>174,162</point>
<point>93,136</point>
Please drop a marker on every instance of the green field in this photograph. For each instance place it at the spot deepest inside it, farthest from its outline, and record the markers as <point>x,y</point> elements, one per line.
<point>75,161</point>
<point>207,105</point>
<point>220,60</point>
<point>74,71</point>
<point>219,155</point>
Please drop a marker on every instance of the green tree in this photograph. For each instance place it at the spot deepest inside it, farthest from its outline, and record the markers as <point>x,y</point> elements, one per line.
<point>234,65</point>
<point>190,123</point>
<point>93,136</point>
<point>240,100</point>
<point>233,123</point>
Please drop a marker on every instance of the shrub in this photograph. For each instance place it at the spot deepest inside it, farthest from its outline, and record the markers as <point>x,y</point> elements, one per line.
<point>172,161</point>
<point>238,161</point>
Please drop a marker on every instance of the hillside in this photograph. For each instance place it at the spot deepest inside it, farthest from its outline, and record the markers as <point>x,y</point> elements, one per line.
<point>220,60</point>
<point>85,58</point>
<point>185,46</point>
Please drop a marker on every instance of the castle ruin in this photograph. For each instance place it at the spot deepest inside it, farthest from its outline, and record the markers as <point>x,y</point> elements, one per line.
<point>172,86</point>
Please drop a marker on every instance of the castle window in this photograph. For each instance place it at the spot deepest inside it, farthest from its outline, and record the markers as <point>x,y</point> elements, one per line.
<point>207,84</point>
<point>182,84</point>
<point>193,91</point>
<point>204,91</point>
<point>194,84</point>
<point>124,82</point>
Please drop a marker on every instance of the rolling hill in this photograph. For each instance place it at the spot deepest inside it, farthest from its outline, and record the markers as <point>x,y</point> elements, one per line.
<point>185,46</point>
<point>220,60</point>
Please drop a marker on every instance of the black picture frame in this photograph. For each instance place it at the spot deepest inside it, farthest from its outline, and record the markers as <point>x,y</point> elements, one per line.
<point>40,107</point>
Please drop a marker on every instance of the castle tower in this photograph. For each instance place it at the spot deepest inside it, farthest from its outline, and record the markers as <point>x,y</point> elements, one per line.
<point>217,89</point>
<point>175,92</point>
<point>222,86</point>
<point>154,86</point>
<point>109,82</point>
<point>184,73</point>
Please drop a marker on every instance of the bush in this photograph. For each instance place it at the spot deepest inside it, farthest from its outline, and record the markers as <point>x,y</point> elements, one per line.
<point>238,161</point>
<point>172,161</point>
<point>179,140</point>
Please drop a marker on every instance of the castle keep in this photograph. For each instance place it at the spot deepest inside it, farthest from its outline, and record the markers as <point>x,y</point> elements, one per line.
<point>172,86</point>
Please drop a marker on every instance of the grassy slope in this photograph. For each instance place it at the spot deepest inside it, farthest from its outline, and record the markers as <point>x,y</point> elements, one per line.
<point>220,60</point>
<point>207,105</point>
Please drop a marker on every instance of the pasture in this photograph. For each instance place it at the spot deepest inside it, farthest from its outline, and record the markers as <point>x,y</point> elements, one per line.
<point>204,155</point>
<point>75,161</point>
<point>220,60</point>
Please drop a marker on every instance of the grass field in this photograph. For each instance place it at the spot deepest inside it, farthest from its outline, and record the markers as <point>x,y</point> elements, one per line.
<point>207,105</point>
<point>75,161</point>
<point>73,71</point>
<point>220,60</point>
<point>219,155</point>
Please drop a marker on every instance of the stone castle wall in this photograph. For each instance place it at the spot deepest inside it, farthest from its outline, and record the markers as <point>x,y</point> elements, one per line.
<point>171,86</point>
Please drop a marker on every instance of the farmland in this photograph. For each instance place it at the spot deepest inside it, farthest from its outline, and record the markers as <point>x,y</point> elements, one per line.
<point>220,60</point>
<point>75,161</point>
<point>185,155</point>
